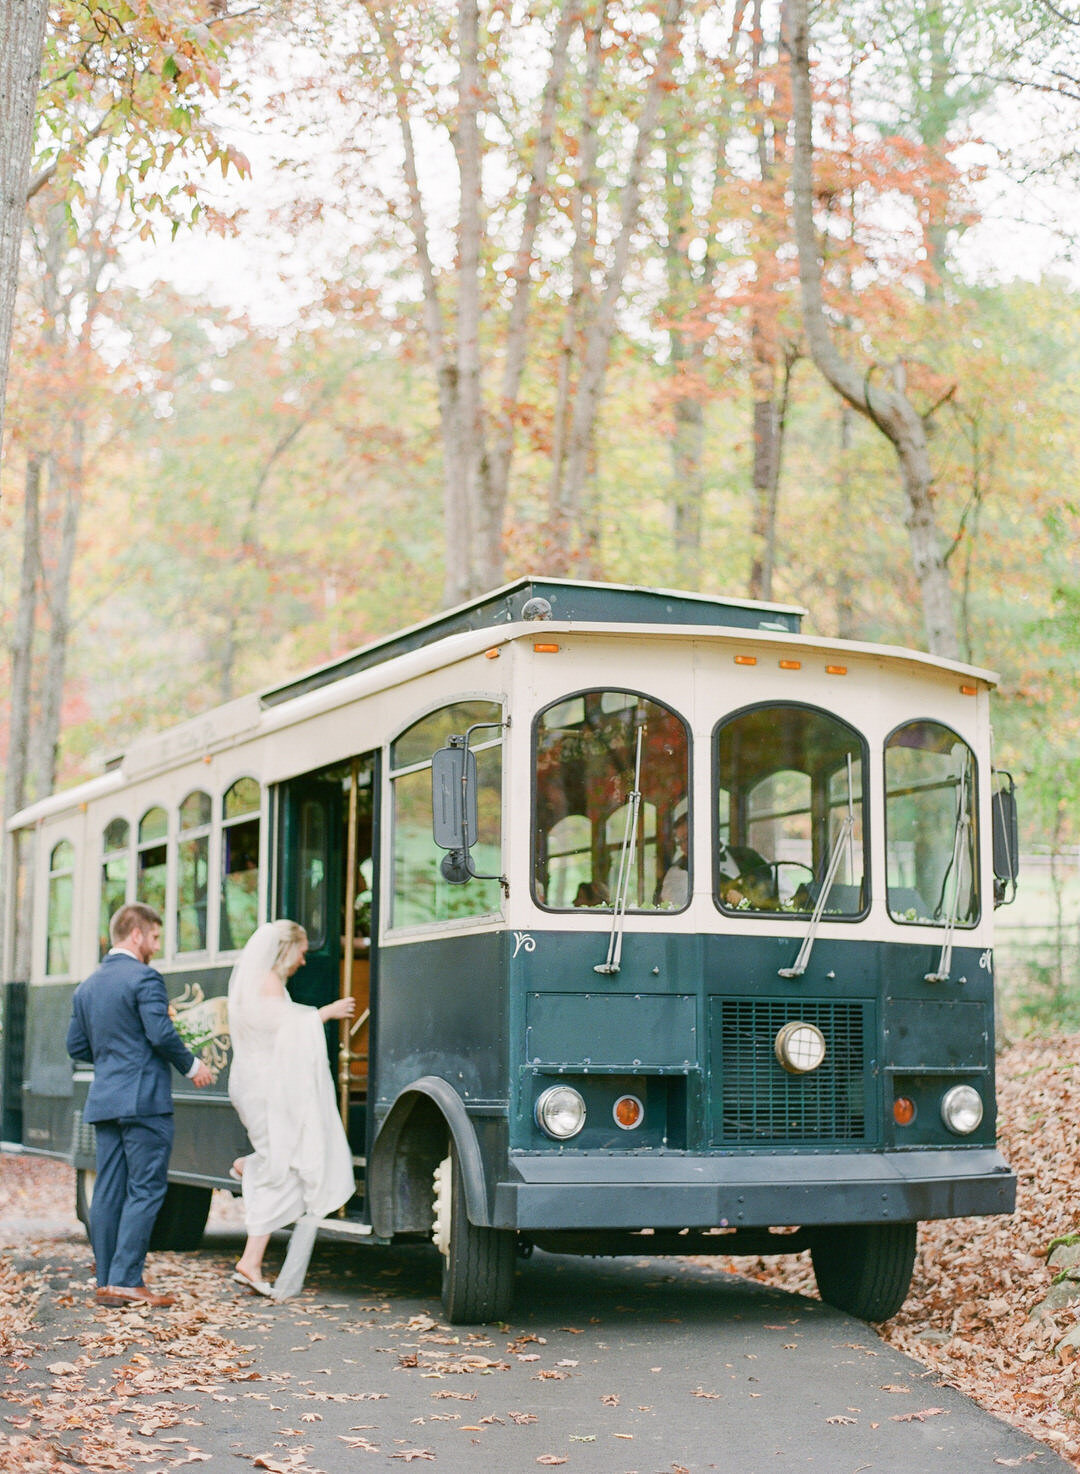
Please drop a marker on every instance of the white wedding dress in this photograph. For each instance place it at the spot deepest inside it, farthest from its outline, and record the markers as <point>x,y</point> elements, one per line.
<point>281,1088</point>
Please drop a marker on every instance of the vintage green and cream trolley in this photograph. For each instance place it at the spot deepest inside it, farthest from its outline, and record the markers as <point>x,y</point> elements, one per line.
<point>670,930</point>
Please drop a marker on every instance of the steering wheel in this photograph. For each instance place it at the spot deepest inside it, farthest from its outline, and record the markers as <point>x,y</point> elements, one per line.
<point>774,867</point>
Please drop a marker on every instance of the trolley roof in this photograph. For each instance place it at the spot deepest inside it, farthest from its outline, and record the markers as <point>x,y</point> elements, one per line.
<point>580,603</point>
<point>614,609</point>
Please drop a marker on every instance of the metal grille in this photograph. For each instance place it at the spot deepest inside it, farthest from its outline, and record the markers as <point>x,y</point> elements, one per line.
<point>759,1102</point>
<point>84,1139</point>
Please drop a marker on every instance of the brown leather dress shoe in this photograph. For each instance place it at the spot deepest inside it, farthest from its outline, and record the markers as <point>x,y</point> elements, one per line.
<point>133,1295</point>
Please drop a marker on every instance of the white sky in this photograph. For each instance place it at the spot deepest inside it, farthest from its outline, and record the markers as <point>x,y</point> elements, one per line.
<point>1025,231</point>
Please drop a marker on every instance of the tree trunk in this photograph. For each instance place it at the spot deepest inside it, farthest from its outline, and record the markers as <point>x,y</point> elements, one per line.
<point>22,646</point>
<point>497,483</point>
<point>687,452</point>
<point>484,543</point>
<point>887,406</point>
<point>598,339</point>
<point>561,516</point>
<point>19,720</point>
<point>22,33</point>
<point>844,586</point>
<point>444,369</point>
<point>686,363</point>
<point>770,422</point>
<point>57,595</point>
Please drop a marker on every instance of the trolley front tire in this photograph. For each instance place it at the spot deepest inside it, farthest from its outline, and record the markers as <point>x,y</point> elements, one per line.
<point>865,1268</point>
<point>477,1263</point>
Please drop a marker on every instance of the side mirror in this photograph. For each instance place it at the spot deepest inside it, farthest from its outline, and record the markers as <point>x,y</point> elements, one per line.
<point>1006,840</point>
<point>455,819</point>
<point>453,796</point>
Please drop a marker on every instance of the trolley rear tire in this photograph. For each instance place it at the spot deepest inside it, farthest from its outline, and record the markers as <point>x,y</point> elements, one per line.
<point>478,1263</point>
<point>865,1268</point>
<point>85,1177</point>
<point>181,1218</point>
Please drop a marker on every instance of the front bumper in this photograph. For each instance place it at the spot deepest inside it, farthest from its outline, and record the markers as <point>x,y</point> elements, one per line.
<point>560,1191</point>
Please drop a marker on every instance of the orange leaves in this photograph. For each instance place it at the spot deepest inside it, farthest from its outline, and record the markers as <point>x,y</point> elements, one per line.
<point>967,1316</point>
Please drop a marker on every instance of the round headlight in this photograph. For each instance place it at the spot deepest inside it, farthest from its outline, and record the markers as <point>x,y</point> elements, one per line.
<point>962,1109</point>
<point>800,1047</point>
<point>560,1112</point>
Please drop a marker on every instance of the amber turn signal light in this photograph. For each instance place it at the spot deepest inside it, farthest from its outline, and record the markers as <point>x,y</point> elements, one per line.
<point>903,1109</point>
<point>628,1112</point>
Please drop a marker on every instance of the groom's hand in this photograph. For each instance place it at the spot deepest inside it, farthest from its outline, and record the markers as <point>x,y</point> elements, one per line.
<point>204,1075</point>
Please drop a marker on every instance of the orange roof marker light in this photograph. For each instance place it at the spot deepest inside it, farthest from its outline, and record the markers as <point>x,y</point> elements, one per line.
<point>791,665</point>
<point>969,690</point>
<point>746,660</point>
<point>836,670</point>
<point>546,649</point>
<point>493,653</point>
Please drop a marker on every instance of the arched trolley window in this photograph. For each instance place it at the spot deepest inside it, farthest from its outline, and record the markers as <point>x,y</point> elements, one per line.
<point>422,894</point>
<point>115,868</point>
<point>61,893</point>
<point>789,812</point>
<point>193,873</point>
<point>239,864</point>
<point>594,751</point>
<point>152,859</point>
<point>930,827</point>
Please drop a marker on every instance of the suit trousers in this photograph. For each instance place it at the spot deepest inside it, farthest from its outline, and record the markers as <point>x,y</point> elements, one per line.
<point>132,1177</point>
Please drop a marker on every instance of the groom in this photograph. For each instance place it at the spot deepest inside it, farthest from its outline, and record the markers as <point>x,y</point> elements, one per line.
<point>120,1021</point>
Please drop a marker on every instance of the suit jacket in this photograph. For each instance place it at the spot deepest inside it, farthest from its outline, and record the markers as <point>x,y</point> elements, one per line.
<point>120,1022</point>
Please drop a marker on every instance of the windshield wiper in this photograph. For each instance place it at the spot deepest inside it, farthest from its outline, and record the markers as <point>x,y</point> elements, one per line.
<point>847,830</point>
<point>960,835</point>
<point>626,859</point>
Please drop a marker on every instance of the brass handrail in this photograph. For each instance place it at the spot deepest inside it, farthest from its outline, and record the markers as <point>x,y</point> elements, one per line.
<point>345,1052</point>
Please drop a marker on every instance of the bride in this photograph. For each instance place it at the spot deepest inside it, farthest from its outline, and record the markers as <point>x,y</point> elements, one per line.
<point>280,1085</point>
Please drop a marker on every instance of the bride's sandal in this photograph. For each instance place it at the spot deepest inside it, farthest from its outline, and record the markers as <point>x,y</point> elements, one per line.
<point>260,1287</point>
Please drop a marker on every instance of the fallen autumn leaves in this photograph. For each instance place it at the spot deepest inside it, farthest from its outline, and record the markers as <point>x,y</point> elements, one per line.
<point>967,1317</point>
<point>977,1279</point>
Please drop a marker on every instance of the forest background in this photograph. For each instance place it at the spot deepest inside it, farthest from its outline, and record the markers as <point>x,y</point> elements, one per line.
<point>332,312</point>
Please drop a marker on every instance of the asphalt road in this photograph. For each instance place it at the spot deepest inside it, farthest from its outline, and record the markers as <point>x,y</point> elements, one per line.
<point>644,1366</point>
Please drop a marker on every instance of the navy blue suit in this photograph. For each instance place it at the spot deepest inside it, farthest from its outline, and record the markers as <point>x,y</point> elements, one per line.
<point>120,1022</point>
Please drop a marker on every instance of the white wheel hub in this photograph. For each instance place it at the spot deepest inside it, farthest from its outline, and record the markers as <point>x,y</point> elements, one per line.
<point>440,1225</point>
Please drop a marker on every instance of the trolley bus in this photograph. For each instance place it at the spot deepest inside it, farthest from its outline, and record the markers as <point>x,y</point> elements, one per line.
<point>669,929</point>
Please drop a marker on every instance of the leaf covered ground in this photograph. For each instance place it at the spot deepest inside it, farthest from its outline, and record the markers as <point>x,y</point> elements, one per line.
<point>967,1317</point>
<point>976,1280</point>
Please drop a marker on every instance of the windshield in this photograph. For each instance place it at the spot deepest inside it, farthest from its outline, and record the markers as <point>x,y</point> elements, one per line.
<point>784,778</point>
<point>586,750</point>
<point>929,773</point>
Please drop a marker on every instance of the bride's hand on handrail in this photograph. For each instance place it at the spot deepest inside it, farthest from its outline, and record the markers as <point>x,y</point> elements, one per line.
<point>340,1008</point>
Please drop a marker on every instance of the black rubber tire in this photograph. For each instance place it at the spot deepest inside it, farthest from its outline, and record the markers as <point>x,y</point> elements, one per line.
<point>865,1268</point>
<point>182,1217</point>
<point>85,1178</point>
<point>478,1271</point>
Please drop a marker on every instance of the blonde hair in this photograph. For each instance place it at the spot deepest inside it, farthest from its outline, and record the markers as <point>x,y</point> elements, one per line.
<point>289,935</point>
